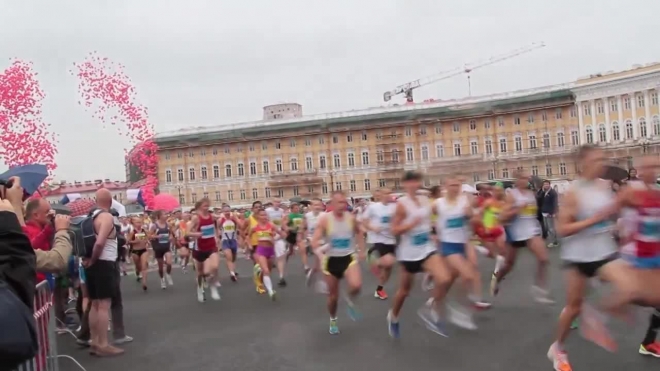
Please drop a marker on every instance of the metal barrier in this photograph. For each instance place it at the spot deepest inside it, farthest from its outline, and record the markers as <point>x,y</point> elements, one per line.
<point>46,358</point>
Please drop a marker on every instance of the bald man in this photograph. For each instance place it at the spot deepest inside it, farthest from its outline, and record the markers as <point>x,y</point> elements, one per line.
<point>102,276</point>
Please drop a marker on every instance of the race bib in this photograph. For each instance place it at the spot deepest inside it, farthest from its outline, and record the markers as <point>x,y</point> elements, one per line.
<point>529,210</point>
<point>650,228</point>
<point>454,223</point>
<point>163,238</point>
<point>420,239</point>
<point>277,221</point>
<point>385,220</point>
<point>140,236</point>
<point>341,243</point>
<point>207,231</point>
<point>228,227</point>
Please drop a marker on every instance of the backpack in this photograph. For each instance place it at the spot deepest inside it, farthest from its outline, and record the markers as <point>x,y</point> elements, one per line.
<point>18,338</point>
<point>83,235</point>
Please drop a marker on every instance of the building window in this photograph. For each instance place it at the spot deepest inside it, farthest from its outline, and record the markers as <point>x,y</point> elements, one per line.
<point>216,171</point>
<point>586,109</point>
<point>367,185</point>
<point>253,168</point>
<point>205,195</point>
<point>194,197</point>
<point>487,124</point>
<point>474,147</point>
<point>516,120</point>
<point>599,107</point>
<point>457,127</point>
<point>408,131</point>
<point>654,98</point>
<point>337,161</point>
<point>310,189</point>
<point>255,194</point>
<point>560,139</point>
<point>239,149</point>
<point>191,153</point>
<point>473,125</point>
<point>179,154</point>
<point>168,176</point>
<point>489,146</point>
<point>546,140</point>
<point>558,114</point>
<point>422,130</point>
<point>324,188</point>
<point>438,129</point>
<point>228,171</point>
<point>191,174</point>
<point>575,138</point>
<point>562,168</point>
<point>182,199</point>
<point>337,186</point>
<point>335,139</point>
<point>251,147</point>
<point>308,142</point>
<point>217,196</point>
<point>656,125</point>
<point>278,166</point>
<point>265,167</point>
<point>243,197</point>
<point>267,192</point>
<point>425,153</point>
<point>293,164</point>
<point>382,183</point>
<point>602,133</point>
<point>503,145</point>
<point>395,155</point>
<point>457,149</point>
<point>280,193</point>
<point>626,103</point>
<point>535,170</point>
<point>500,121</point>
<point>264,146</point>
<point>573,112</point>
<point>365,158</point>
<point>629,129</point>
<point>167,155</point>
<point>409,154</point>
<point>204,172</point>
<point>364,136</point>
<point>532,142</point>
<point>296,191</point>
<point>349,138</point>
<point>530,118</point>
<point>241,170</point>
<point>614,106</point>
<point>278,145</point>
<point>548,169</point>
<point>616,133</point>
<point>351,160</point>
<point>590,134</point>
<point>642,128</point>
<point>505,173</point>
<point>640,101</point>
<point>322,163</point>
<point>352,185</point>
<point>179,174</point>
<point>321,139</point>
<point>439,151</point>
<point>517,143</point>
<point>491,174</point>
<point>309,164</point>
<point>397,184</point>
<point>475,177</point>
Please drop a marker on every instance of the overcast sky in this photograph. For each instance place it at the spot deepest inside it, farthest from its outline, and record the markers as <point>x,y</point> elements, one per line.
<point>198,63</point>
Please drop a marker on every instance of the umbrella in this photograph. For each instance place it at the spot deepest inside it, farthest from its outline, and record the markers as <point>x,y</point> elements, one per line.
<point>614,173</point>
<point>165,202</point>
<point>81,207</point>
<point>296,200</point>
<point>31,176</point>
<point>536,182</point>
<point>61,209</point>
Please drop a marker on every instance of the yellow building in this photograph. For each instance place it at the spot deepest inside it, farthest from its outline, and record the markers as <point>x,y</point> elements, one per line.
<point>358,151</point>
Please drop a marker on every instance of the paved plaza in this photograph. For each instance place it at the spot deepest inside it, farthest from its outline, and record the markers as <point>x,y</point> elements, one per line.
<point>247,332</point>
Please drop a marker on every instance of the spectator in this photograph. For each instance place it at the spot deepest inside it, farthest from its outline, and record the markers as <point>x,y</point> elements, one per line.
<point>38,227</point>
<point>632,174</point>
<point>547,200</point>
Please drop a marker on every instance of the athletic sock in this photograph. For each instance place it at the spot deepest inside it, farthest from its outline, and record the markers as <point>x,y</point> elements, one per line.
<point>499,262</point>
<point>268,284</point>
<point>379,288</point>
<point>654,326</point>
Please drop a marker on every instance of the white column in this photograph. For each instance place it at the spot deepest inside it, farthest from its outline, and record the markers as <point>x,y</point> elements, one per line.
<point>622,126</point>
<point>608,126</point>
<point>594,124</point>
<point>581,139</point>
<point>633,108</point>
<point>647,113</point>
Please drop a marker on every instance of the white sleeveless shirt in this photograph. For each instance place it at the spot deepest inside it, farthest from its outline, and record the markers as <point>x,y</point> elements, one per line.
<point>452,223</point>
<point>339,234</point>
<point>525,225</point>
<point>416,244</point>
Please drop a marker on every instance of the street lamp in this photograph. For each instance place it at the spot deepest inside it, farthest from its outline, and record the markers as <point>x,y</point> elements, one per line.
<point>179,188</point>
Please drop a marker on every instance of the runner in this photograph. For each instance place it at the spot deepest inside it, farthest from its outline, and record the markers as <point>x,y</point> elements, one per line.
<point>376,220</point>
<point>416,253</point>
<point>309,226</point>
<point>161,236</point>
<point>265,232</point>
<point>292,223</point>
<point>252,240</point>
<point>228,224</point>
<point>138,243</point>
<point>525,231</point>
<point>182,242</point>
<point>205,253</point>
<point>491,231</point>
<point>339,261</point>
<point>587,248</point>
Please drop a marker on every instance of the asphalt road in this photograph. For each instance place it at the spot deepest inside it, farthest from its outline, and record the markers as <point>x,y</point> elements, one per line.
<point>245,331</point>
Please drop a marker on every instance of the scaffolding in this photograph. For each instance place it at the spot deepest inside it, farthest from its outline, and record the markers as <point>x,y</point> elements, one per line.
<point>388,156</point>
<point>302,183</point>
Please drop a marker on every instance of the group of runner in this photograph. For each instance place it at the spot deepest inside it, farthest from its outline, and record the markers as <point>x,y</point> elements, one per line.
<point>612,237</point>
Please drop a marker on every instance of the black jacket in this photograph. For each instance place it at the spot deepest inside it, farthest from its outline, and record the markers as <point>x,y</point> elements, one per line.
<point>547,202</point>
<point>18,264</point>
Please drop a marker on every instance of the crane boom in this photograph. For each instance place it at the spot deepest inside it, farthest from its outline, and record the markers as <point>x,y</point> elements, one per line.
<point>408,88</point>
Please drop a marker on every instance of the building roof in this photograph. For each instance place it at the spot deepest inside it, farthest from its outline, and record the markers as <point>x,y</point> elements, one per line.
<point>435,109</point>
<point>86,187</point>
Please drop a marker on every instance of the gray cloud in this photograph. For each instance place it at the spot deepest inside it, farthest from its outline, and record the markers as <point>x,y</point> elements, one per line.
<point>208,62</point>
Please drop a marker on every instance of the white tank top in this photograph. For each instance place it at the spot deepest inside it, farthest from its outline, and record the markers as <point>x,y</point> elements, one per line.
<point>228,229</point>
<point>380,215</point>
<point>416,244</point>
<point>311,220</point>
<point>110,249</point>
<point>452,224</point>
<point>339,234</point>
<point>596,242</point>
<point>275,215</point>
<point>525,225</point>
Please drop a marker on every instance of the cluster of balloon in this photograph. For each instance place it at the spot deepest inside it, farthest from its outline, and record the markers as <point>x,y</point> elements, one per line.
<point>103,85</point>
<point>24,138</point>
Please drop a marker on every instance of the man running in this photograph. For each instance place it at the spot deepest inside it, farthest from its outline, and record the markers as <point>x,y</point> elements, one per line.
<point>161,237</point>
<point>252,241</point>
<point>377,220</point>
<point>292,222</point>
<point>341,231</point>
<point>205,253</point>
<point>308,227</point>
<point>228,224</point>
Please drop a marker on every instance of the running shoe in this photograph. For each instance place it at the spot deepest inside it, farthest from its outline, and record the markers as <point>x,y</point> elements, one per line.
<point>380,294</point>
<point>233,277</point>
<point>273,295</point>
<point>575,324</point>
<point>481,305</point>
<point>353,313</point>
<point>138,278</point>
<point>559,358</point>
<point>593,328</point>
<point>215,294</point>
<point>163,284</point>
<point>652,350</point>
<point>169,280</point>
<point>310,277</point>
<point>392,327</point>
<point>461,318</point>
<point>427,282</point>
<point>200,294</point>
<point>494,285</point>
<point>282,282</point>
<point>432,320</point>
<point>541,295</point>
<point>334,329</point>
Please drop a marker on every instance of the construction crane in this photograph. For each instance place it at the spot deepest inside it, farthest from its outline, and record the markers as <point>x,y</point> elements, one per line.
<point>408,88</point>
